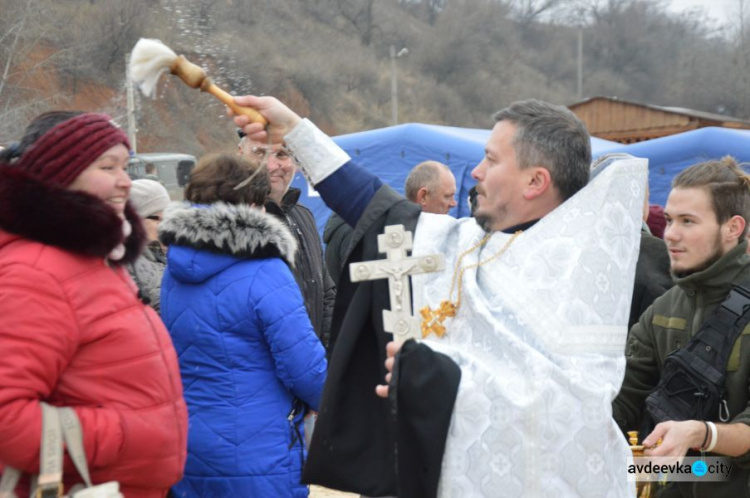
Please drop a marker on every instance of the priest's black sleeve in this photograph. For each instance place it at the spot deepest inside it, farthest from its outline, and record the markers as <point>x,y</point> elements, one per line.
<point>354,444</point>
<point>423,391</point>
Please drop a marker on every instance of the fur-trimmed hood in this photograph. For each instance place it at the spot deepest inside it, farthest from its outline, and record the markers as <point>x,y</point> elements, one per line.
<point>235,230</point>
<point>68,219</point>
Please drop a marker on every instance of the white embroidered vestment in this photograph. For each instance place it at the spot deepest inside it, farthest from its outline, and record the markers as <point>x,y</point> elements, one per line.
<point>540,338</point>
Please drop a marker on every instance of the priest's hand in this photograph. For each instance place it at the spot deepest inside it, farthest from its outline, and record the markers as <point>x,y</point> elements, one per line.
<point>390,350</point>
<point>280,118</point>
<point>677,438</point>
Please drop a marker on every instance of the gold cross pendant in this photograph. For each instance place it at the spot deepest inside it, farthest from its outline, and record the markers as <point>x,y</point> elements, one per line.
<point>432,320</point>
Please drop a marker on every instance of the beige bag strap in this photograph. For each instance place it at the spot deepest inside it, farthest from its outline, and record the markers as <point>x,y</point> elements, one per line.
<point>71,428</point>
<point>49,483</point>
<point>8,482</point>
<point>57,424</point>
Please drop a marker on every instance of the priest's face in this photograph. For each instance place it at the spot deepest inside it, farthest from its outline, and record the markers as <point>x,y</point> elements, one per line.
<point>693,233</point>
<point>500,181</point>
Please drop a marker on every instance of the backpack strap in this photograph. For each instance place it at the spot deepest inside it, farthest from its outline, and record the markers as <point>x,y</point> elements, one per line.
<point>691,386</point>
<point>714,342</point>
<point>738,299</point>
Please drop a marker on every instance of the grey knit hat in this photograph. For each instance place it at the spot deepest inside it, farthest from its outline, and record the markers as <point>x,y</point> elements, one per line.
<point>604,161</point>
<point>148,197</point>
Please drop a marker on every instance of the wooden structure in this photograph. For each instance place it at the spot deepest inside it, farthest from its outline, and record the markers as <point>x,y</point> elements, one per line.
<point>626,122</point>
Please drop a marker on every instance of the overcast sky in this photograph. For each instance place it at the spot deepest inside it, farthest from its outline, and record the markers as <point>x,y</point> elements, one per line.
<point>721,10</point>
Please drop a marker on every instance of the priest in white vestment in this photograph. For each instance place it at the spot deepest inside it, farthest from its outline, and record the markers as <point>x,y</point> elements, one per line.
<point>534,355</point>
<point>540,338</point>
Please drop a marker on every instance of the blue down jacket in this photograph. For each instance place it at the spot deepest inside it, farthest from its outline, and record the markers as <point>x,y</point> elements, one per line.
<point>247,351</point>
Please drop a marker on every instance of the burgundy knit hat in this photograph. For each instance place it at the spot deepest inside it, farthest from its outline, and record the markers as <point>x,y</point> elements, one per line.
<point>656,221</point>
<point>61,154</point>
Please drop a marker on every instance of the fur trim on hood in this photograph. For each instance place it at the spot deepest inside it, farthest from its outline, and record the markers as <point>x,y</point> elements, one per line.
<point>69,219</point>
<point>236,229</point>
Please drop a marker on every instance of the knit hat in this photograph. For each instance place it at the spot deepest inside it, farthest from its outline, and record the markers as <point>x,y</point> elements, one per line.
<point>656,221</point>
<point>148,197</point>
<point>61,154</point>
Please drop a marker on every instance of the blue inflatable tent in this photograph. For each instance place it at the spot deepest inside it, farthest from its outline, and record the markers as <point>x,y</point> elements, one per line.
<point>392,152</point>
<point>669,155</point>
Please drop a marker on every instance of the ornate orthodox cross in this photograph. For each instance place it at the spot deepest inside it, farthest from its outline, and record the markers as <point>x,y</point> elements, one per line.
<point>397,268</point>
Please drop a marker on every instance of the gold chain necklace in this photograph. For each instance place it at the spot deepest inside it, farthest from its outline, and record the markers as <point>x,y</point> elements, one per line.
<point>432,319</point>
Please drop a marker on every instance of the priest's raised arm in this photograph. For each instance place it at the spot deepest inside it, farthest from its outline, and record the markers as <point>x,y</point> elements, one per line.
<point>346,190</point>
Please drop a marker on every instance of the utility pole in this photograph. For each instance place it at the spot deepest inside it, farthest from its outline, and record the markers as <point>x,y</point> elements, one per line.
<point>394,88</point>
<point>132,131</point>
<point>580,64</point>
<point>394,83</point>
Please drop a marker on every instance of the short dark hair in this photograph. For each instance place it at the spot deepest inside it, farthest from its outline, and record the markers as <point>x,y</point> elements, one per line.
<point>215,177</point>
<point>150,168</point>
<point>552,137</point>
<point>726,183</point>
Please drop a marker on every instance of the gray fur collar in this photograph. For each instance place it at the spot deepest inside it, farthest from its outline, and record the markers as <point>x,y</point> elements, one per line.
<point>236,229</point>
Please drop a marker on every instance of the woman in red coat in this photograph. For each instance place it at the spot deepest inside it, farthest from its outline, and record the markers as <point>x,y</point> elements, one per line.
<point>73,331</point>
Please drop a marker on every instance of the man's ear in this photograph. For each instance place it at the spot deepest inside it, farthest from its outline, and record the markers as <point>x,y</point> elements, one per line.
<point>538,182</point>
<point>732,228</point>
<point>422,196</point>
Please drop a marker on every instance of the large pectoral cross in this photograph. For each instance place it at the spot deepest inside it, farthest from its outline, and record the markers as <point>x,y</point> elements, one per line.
<point>397,268</point>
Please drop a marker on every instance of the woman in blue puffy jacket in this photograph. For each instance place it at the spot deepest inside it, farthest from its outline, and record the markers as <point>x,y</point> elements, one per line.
<point>250,361</point>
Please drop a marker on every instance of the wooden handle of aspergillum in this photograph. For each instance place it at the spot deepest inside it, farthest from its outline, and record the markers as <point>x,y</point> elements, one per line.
<point>220,94</point>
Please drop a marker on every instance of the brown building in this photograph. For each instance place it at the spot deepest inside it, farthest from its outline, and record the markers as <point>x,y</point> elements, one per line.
<point>626,122</point>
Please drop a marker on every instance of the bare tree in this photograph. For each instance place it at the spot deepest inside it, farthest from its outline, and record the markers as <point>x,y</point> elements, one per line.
<point>740,70</point>
<point>111,29</point>
<point>27,61</point>
<point>427,10</point>
<point>358,13</point>
<point>528,11</point>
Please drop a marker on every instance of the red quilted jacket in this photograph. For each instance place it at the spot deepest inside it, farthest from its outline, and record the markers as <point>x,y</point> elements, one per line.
<point>73,332</point>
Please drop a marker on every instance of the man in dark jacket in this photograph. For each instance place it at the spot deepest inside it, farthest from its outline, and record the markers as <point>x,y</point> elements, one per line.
<point>652,278</point>
<point>318,290</point>
<point>706,224</point>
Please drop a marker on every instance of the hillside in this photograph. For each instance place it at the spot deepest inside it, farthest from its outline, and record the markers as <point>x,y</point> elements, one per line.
<point>329,60</point>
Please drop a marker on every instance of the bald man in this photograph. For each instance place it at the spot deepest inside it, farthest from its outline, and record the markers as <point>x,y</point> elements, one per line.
<point>431,185</point>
